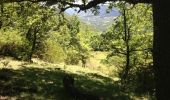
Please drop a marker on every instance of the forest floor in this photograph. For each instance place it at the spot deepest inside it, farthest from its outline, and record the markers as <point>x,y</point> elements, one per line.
<point>41,80</point>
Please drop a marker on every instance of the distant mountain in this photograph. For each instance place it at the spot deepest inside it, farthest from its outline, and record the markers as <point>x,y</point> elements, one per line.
<point>100,21</point>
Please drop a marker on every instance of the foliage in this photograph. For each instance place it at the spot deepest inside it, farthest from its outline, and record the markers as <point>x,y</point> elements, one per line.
<point>72,57</point>
<point>42,31</point>
<point>53,52</point>
<point>11,42</point>
<point>129,40</point>
<point>22,21</point>
<point>69,36</point>
<point>35,30</point>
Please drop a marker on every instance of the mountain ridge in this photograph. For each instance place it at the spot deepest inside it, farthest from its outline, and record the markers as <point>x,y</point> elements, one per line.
<point>101,21</point>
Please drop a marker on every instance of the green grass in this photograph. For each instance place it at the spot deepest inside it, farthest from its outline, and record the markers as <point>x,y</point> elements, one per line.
<point>46,84</point>
<point>43,81</point>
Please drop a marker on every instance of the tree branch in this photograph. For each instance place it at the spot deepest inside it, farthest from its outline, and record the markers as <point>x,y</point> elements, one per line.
<point>147,49</point>
<point>89,5</point>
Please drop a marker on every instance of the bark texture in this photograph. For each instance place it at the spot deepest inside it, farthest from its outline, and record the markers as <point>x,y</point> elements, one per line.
<point>161,53</point>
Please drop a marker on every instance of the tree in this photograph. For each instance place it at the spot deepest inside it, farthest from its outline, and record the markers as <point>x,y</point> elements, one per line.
<point>68,35</point>
<point>32,24</point>
<point>161,51</point>
<point>130,37</point>
<point>161,54</point>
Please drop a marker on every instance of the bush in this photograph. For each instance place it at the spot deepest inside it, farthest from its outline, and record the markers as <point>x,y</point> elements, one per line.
<point>53,52</point>
<point>11,42</point>
<point>145,80</point>
<point>72,57</point>
<point>141,80</point>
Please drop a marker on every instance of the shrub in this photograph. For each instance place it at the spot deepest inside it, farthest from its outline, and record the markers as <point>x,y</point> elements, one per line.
<point>145,80</point>
<point>11,41</point>
<point>53,52</point>
<point>141,80</point>
<point>72,57</point>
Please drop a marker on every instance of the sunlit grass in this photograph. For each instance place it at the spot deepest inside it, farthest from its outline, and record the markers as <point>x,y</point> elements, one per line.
<point>41,80</point>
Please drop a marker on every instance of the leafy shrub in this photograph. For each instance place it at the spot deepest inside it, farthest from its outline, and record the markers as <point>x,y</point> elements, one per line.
<point>145,80</point>
<point>72,57</point>
<point>53,52</point>
<point>10,42</point>
<point>141,80</point>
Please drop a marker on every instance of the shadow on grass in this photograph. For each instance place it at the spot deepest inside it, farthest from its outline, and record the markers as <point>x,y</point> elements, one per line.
<point>46,84</point>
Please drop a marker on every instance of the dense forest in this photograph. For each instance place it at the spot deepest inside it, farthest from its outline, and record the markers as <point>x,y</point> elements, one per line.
<point>52,46</point>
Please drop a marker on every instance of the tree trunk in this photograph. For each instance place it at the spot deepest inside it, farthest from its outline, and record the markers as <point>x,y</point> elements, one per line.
<point>2,7</point>
<point>161,49</point>
<point>127,38</point>
<point>33,45</point>
<point>1,13</point>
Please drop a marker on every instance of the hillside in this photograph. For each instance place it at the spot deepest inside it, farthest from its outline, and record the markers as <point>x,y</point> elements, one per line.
<point>41,80</point>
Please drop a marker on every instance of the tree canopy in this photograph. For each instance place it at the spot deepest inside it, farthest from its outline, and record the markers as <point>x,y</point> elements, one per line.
<point>65,4</point>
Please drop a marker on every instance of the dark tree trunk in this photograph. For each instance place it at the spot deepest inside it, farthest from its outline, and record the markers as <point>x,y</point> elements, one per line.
<point>161,49</point>
<point>1,14</point>
<point>2,7</point>
<point>127,38</point>
<point>127,67</point>
<point>33,45</point>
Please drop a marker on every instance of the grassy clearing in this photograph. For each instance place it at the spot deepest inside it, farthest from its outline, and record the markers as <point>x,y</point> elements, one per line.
<point>43,81</point>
